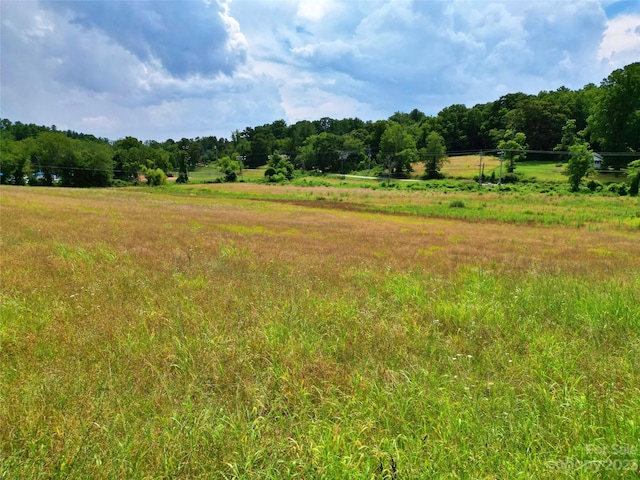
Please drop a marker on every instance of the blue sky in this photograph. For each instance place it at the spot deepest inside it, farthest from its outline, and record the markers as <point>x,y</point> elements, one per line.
<point>170,69</point>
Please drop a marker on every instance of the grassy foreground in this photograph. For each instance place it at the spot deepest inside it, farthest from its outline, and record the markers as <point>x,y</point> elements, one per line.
<point>237,334</point>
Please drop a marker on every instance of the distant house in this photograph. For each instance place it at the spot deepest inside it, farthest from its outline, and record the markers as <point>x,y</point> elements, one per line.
<point>597,161</point>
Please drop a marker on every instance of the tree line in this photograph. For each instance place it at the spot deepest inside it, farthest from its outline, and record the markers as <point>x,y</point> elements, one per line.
<point>572,123</point>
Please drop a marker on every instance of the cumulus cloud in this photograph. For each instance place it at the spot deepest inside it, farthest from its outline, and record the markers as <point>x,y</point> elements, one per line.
<point>621,43</point>
<point>186,39</point>
<point>150,68</point>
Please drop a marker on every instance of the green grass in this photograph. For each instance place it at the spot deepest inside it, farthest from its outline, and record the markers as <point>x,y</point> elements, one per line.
<point>543,171</point>
<point>487,204</point>
<point>150,334</point>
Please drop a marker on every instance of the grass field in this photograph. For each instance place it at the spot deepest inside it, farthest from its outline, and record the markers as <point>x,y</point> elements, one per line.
<point>464,168</point>
<point>257,331</point>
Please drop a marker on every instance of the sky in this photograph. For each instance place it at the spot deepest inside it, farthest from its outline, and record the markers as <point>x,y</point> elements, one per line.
<point>165,69</point>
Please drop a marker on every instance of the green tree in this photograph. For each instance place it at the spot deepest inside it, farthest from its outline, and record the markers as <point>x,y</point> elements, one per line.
<point>434,154</point>
<point>279,168</point>
<point>15,159</point>
<point>569,136</point>
<point>398,149</point>
<point>183,166</point>
<point>452,125</point>
<point>195,153</point>
<point>541,121</point>
<point>260,147</point>
<point>230,168</point>
<point>321,152</point>
<point>615,122</point>
<point>353,152</point>
<point>129,158</point>
<point>54,156</point>
<point>514,147</point>
<point>93,165</point>
<point>326,149</point>
<point>579,164</point>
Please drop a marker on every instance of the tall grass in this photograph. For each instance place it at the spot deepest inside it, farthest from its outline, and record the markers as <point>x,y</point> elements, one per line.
<point>149,336</point>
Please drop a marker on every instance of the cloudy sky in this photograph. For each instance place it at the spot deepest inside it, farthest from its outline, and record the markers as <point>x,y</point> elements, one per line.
<point>170,69</point>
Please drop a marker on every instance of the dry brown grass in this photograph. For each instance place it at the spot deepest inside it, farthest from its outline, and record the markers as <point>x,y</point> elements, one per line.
<point>463,166</point>
<point>154,230</point>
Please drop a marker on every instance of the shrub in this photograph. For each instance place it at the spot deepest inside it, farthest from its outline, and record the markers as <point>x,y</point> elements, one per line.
<point>433,175</point>
<point>510,178</point>
<point>457,204</point>
<point>619,188</point>
<point>280,169</point>
<point>594,185</point>
<point>155,176</point>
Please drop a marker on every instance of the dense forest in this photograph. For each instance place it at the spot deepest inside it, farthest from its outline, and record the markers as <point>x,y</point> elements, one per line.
<point>552,124</point>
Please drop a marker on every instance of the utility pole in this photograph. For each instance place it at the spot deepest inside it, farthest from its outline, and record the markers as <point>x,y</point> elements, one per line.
<point>501,153</point>
<point>481,170</point>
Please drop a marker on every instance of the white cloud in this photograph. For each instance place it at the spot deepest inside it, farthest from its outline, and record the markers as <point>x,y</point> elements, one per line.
<point>314,10</point>
<point>621,43</point>
<point>171,69</point>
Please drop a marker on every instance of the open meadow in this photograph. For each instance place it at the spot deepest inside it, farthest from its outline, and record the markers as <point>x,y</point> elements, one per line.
<point>257,331</point>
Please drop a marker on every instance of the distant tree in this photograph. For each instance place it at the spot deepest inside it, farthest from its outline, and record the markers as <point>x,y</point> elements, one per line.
<point>129,158</point>
<point>579,164</point>
<point>300,131</point>
<point>401,118</point>
<point>194,151</point>
<point>541,121</point>
<point>375,129</point>
<point>279,129</point>
<point>353,152</point>
<point>183,167</point>
<point>321,152</point>
<point>569,136</point>
<point>15,159</point>
<point>279,168</point>
<point>514,147</point>
<point>452,125</point>
<point>54,155</point>
<point>93,165</point>
<point>397,149</point>
<point>230,168</point>
<point>326,149</point>
<point>615,123</point>
<point>434,154</point>
<point>260,149</point>
<point>416,115</point>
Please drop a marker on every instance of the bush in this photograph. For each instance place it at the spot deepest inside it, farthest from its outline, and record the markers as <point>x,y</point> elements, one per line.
<point>510,178</point>
<point>433,175</point>
<point>594,185</point>
<point>280,169</point>
<point>457,204</point>
<point>155,177</point>
<point>619,188</point>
